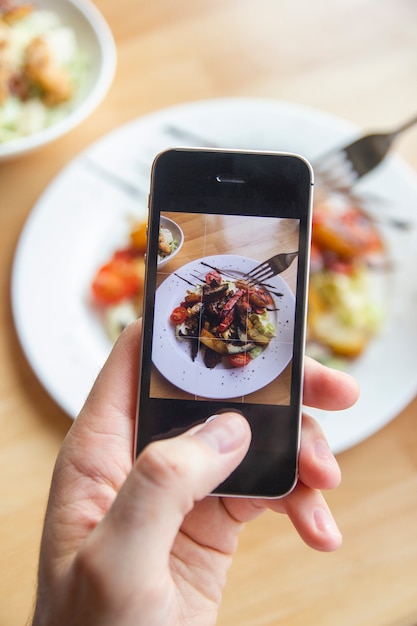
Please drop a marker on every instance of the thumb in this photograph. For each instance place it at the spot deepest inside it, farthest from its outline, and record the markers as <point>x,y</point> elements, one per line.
<point>168,477</point>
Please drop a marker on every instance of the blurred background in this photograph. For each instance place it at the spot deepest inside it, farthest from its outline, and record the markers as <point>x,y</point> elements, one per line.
<point>352,66</point>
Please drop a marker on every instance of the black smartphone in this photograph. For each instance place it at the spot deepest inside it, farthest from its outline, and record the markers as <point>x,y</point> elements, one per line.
<point>224,310</point>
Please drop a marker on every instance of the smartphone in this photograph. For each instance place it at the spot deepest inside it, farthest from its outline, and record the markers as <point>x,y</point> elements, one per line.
<point>218,333</point>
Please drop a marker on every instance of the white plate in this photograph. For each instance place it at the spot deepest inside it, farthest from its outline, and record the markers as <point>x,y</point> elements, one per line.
<point>173,359</point>
<point>82,216</point>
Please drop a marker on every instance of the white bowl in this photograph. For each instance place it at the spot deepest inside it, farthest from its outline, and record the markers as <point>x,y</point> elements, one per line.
<point>97,44</point>
<point>177,234</point>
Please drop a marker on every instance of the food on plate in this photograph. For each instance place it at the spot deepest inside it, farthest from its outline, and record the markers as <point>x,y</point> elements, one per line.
<point>117,286</point>
<point>342,317</point>
<point>119,279</point>
<point>343,312</point>
<point>227,319</point>
<point>41,69</point>
<point>167,244</point>
<point>118,316</point>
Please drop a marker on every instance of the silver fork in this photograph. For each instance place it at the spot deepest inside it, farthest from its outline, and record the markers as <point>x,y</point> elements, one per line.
<point>271,267</point>
<point>340,169</point>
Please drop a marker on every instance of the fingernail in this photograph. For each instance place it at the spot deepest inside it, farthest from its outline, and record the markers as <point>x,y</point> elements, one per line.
<point>210,419</point>
<point>325,523</point>
<point>224,433</point>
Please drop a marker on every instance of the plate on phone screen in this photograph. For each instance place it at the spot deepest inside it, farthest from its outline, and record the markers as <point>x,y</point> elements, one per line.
<point>172,357</point>
<point>92,199</point>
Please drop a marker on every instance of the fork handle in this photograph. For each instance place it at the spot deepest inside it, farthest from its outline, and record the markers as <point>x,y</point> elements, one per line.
<point>406,125</point>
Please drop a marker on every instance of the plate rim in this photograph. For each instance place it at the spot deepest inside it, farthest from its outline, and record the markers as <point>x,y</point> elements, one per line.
<point>399,168</point>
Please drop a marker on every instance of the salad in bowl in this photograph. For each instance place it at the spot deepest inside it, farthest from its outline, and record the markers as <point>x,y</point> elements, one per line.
<point>57,60</point>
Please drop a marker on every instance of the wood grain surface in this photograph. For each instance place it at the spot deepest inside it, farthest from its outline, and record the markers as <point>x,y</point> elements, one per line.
<point>356,59</point>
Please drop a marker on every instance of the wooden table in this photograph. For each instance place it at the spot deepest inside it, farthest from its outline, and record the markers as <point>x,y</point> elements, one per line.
<point>354,59</point>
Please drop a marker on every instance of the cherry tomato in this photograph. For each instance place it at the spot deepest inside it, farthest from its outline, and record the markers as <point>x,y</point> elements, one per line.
<point>239,360</point>
<point>126,254</point>
<point>115,281</point>
<point>178,315</point>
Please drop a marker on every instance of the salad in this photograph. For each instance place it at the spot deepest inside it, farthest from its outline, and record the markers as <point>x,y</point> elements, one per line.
<point>227,319</point>
<point>117,286</point>
<point>166,244</point>
<point>343,313</point>
<point>41,69</point>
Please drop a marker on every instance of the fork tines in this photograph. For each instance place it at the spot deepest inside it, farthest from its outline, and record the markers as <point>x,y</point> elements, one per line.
<point>260,273</point>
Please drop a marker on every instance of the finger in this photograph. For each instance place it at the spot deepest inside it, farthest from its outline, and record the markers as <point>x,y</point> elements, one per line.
<point>246,509</point>
<point>110,408</point>
<point>168,477</point>
<point>328,389</point>
<point>307,510</point>
<point>317,465</point>
<point>318,469</point>
<point>312,518</point>
<point>209,524</point>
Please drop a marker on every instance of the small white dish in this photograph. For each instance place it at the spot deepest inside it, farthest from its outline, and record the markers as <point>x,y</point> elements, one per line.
<point>177,236</point>
<point>96,43</point>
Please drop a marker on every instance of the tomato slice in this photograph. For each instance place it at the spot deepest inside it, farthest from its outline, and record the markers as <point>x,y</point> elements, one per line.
<point>178,315</point>
<point>239,360</point>
<point>115,281</point>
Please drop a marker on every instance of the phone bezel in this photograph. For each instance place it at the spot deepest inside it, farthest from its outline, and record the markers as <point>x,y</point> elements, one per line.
<point>247,178</point>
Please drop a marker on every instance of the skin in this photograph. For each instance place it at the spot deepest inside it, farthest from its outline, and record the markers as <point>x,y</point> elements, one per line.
<point>142,544</point>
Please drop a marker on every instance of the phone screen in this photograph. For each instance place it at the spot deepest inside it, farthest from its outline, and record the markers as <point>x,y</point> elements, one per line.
<point>220,332</point>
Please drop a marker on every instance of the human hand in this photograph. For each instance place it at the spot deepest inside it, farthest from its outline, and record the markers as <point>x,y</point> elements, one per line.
<point>143,545</point>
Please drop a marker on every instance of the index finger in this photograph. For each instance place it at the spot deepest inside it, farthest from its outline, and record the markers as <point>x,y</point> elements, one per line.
<point>327,388</point>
